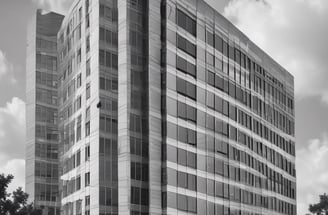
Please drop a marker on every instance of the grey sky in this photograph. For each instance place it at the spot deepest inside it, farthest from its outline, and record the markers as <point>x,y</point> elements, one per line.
<point>296,38</point>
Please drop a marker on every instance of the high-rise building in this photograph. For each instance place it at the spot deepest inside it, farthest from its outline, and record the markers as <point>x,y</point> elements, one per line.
<point>42,179</point>
<point>160,107</point>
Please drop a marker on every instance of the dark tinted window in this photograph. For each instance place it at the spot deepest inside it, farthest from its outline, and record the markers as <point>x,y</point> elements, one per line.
<point>186,22</point>
<point>186,46</point>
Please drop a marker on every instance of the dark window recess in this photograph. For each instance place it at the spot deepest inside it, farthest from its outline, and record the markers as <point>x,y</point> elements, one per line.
<point>218,43</point>
<point>210,38</point>
<point>108,59</point>
<point>186,88</point>
<point>186,22</point>
<point>225,48</point>
<point>210,78</point>
<point>186,45</point>
<point>186,135</point>
<point>187,112</point>
<point>186,67</point>
<point>231,52</point>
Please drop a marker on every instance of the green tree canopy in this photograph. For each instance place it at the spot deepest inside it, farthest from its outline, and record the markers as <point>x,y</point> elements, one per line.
<point>320,208</point>
<point>15,203</point>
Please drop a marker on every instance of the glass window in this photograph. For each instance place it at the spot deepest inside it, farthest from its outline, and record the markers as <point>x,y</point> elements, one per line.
<point>171,153</point>
<point>218,43</point>
<point>182,157</point>
<point>218,189</point>
<point>201,95</point>
<point>201,184</point>
<point>182,110</point>
<point>210,38</point>
<point>209,59</point>
<point>186,46</point>
<point>210,164</point>
<point>192,161</point>
<point>210,99</point>
<point>201,206</point>
<point>201,119</point>
<point>171,130</point>
<point>172,177</point>
<point>210,78</point>
<point>201,162</point>
<point>192,204</point>
<point>172,200</point>
<point>87,179</point>
<point>186,22</point>
<point>182,180</point>
<point>191,113</point>
<point>183,134</point>
<point>192,182</point>
<point>182,202</point>
<point>171,107</point>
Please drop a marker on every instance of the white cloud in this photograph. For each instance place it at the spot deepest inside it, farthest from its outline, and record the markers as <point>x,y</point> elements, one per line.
<point>15,167</point>
<point>5,66</point>
<point>312,173</point>
<point>294,33</point>
<point>12,142</point>
<point>12,130</point>
<point>59,6</point>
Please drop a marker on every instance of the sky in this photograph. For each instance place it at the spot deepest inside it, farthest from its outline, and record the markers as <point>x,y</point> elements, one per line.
<point>293,32</point>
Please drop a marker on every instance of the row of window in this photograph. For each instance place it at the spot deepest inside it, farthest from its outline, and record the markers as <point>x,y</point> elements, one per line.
<point>222,106</point>
<point>46,170</point>
<point>108,84</point>
<point>108,170</point>
<point>200,206</point>
<point>186,22</point>
<point>46,79</point>
<point>48,150</point>
<point>46,62</point>
<point>72,162</point>
<point>46,114</point>
<point>46,192</point>
<point>108,59</point>
<point>186,46</point>
<point>75,184</point>
<point>46,96</point>
<point>185,66</point>
<point>139,171</point>
<point>278,91</point>
<point>46,132</point>
<point>274,181</point>
<point>108,196</point>
<point>108,124</point>
<point>109,13</point>
<point>108,36</point>
<point>215,188</point>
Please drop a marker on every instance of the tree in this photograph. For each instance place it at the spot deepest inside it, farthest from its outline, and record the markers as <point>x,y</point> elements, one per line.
<point>320,208</point>
<point>15,203</point>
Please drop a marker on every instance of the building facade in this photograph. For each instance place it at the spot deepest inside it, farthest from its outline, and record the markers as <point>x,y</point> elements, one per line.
<point>161,107</point>
<point>42,143</point>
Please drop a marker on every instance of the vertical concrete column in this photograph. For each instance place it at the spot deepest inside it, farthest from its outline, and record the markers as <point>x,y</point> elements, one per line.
<point>124,179</point>
<point>155,118</point>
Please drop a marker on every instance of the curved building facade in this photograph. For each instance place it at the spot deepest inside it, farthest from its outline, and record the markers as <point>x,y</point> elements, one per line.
<point>165,107</point>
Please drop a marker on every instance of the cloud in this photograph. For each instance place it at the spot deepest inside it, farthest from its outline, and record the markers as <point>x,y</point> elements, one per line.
<point>294,33</point>
<point>12,130</point>
<point>12,141</point>
<point>312,174</point>
<point>15,167</point>
<point>59,6</point>
<point>5,66</point>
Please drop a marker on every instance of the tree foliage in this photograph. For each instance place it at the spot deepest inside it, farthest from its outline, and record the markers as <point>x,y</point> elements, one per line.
<point>15,203</point>
<point>320,208</point>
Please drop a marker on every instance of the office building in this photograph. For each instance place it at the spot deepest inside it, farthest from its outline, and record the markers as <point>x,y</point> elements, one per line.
<point>165,107</point>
